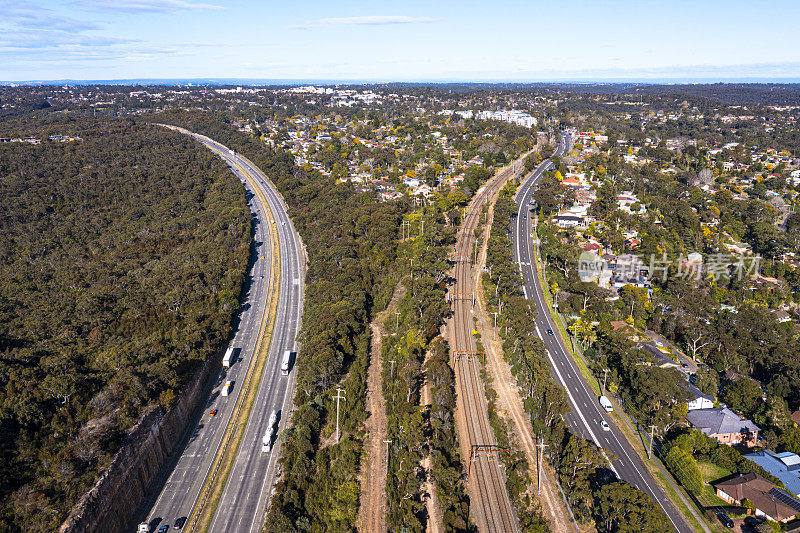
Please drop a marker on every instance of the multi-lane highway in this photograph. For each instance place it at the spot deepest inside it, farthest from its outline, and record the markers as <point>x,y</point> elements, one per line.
<point>587,414</point>
<point>491,506</point>
<point>254,472</point>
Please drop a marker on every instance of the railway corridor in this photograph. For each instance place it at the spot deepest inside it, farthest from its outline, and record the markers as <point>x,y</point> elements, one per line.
<point>491,507</point>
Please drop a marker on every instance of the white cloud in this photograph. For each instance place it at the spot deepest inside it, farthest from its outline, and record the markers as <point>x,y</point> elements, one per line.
<point>24,14</point>
<point>145,6</point>
<point>376,20</point>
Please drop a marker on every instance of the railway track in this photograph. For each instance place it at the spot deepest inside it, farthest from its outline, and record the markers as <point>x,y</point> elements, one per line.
<point>492,508</point>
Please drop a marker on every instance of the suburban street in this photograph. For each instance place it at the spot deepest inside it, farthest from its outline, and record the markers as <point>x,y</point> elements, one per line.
<point>249,486</point>
<point>587,414</point>
<point>491,506</point>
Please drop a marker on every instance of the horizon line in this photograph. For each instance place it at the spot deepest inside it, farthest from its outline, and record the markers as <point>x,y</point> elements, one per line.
<point>220,80</point>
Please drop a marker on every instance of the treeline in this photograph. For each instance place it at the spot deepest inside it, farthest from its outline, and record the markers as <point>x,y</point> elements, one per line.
<point>122,258</point>
<point>416,433</point>
<point>582,468</point>
<point>351,240</point>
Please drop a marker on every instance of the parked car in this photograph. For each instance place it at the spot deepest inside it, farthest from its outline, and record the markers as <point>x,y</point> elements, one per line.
<point>752,521</point>
<point>725,520</point>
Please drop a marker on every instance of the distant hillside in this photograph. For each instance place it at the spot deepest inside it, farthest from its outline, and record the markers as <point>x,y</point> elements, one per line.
<point>122,257</point>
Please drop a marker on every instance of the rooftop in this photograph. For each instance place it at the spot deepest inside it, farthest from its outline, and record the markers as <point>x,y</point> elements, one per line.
<point>719,420</point>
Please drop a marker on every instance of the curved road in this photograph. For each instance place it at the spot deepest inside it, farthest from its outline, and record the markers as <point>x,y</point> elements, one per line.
<point>249,486</point>
<point>584,420</point>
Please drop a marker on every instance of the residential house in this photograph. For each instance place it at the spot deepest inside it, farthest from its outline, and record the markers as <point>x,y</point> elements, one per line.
<point>724,425</point>
<point>796,418</point>
<point>699,400</point>
<point>769,501</point>
<point>784,466</point>
<point>568,221</point>
<point>624,329</point>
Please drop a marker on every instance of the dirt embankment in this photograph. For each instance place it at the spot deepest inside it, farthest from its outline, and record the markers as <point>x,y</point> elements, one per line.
<point>371,513</point>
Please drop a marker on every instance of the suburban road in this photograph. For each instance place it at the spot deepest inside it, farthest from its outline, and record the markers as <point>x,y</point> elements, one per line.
<point>254,473</point>
<point>586,415</point>
<point>491,506</point>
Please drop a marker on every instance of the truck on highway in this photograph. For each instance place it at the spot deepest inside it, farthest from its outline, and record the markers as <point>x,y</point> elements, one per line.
<point>226,389</point>
<point>144,527</point>
<point>227,361</point>
<point>269,434</point>
<point>606,403</point>
<point>287,362</point>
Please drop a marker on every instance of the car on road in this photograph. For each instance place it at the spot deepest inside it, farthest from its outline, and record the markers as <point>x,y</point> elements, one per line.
<point>163,529</point>
<point>212,412</point>
<point>549,331</point>
<point>179,522</point>
<point>604,425</point>
<point>725,520</point>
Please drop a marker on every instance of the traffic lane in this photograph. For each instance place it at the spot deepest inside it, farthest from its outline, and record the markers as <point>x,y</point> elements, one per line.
<point>250,468</point>
<point>628,465</point>
<point>237,505</point>
<point>203,437</point>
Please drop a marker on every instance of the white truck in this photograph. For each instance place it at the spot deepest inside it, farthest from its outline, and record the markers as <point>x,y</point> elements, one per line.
<point>269,435</point>
<point>227,361</point>
<point>226,389</point>
<point>287,361</point>
<point>606,404</point>
<point>144,527</point>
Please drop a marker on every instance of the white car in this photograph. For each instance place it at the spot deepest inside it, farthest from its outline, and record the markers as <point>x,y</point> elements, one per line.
<point>604,425</point>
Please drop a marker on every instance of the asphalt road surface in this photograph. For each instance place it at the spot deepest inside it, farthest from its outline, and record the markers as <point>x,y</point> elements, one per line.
<point>254,473</point>
<point>586,415</point>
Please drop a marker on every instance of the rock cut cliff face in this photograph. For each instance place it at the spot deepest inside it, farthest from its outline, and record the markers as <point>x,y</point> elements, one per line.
<point>114,502</point>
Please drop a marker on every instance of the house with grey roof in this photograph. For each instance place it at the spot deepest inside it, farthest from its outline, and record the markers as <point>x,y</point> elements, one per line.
<point>784,466</point>
<point>724,425</point>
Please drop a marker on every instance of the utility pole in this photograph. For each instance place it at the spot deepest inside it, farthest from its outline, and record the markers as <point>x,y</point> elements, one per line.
<point>652,435</point>
<point>605,374</point>
<point>391,372</point>
<point>338,397</point>
<point>541,446</point>
<point>387,442</point>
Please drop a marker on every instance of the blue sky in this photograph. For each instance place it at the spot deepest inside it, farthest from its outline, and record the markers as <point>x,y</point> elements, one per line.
<point>411,40</point>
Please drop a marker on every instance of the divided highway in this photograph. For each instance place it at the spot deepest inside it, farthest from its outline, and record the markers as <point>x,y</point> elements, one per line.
<point>491,506</point>
<point>587,415</point>
<point>254,472</point>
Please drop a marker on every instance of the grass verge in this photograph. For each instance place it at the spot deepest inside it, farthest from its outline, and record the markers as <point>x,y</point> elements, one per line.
<point>203,512</point>
<point>622,420</point>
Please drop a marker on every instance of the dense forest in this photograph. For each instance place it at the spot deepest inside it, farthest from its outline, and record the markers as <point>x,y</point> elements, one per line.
<point>351,242</point>
<point>122,257</point>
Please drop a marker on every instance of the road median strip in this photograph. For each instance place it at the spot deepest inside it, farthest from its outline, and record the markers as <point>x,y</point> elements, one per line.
<point>203,512</point>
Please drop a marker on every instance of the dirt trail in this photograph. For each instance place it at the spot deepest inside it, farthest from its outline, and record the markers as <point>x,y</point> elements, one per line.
<point>371,512</point>
<point>511,405</point>
<point>434,524</point>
